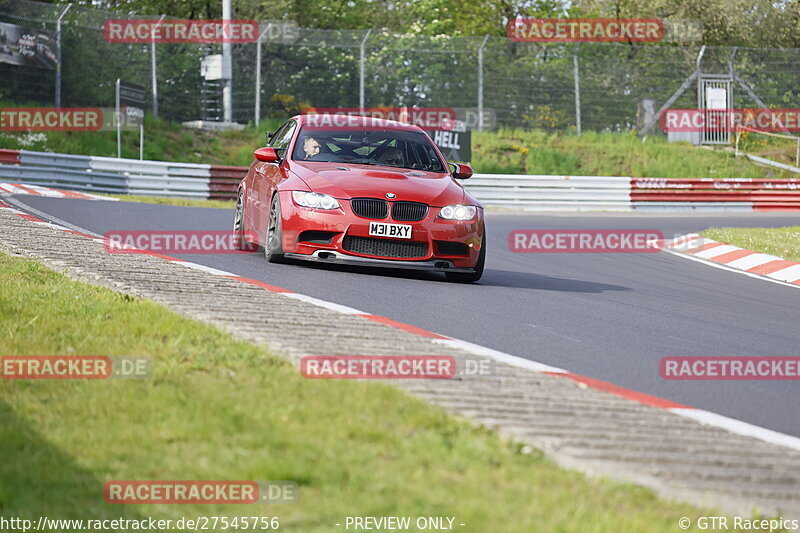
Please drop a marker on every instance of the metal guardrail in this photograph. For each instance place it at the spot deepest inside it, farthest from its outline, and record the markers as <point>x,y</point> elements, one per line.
<point>552,193</point>
<point>106,174</point>
<point>763,161</point>
<point>72,180</point>
<point>538,193</point>
<point>52,160</point>
<point>716,194</point>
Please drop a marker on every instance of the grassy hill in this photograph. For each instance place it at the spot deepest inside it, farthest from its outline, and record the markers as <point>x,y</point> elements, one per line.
<point>503,151</point>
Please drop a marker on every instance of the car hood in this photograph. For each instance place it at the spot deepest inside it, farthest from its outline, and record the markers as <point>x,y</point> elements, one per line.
<point>345,181</point>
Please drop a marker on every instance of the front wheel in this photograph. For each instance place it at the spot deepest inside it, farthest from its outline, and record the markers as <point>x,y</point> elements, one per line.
<point>239,242</point>
<point>273,246</point>
<point>470,277</point>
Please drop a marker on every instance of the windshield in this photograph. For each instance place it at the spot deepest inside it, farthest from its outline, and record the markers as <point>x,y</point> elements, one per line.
<point>402,149</point>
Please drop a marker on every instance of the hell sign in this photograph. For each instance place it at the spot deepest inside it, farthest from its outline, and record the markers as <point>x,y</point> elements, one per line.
<point>455,144</point>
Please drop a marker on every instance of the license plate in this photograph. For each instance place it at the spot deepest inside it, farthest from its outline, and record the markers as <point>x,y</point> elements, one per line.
<point>396,231</point>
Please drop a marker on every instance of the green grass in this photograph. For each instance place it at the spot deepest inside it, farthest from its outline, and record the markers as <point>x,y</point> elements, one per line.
<point>163,141</point>
<point>184,202</point>
<point>217,408</point>
<point>783,149</point>
<point>602,154</point>
<point>781,242</point>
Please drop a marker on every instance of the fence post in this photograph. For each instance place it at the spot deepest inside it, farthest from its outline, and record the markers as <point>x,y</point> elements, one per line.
<point>361,62</point>
<point>257,110</point>
<point>58,54</point>
<point>117,119</point>
<point>576,75</point>
<point>227,63</point>
<point>153,68</point>
<point>480,83</point>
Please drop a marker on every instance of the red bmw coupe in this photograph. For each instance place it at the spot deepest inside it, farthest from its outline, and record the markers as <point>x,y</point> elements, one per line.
<point>361,191</point>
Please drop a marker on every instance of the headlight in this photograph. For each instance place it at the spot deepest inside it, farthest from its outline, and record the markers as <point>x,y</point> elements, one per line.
<point>314,200</point>
<point>458,212</point>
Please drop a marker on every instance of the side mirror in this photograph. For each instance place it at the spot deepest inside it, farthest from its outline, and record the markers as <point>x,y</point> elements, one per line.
<point>268,136</point>
<point>267,155</point>
<point>460,171</point>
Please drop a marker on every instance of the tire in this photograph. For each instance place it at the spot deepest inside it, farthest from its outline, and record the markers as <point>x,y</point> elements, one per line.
<point>470,277</point>
<point>273,242</point>
<point>238,225</point>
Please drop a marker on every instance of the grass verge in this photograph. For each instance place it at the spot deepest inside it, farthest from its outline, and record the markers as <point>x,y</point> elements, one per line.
<point>602,154</point>
<point>777,146</point>
<point>163,141</point>
<point>217,408</point>
<point>782,242</point>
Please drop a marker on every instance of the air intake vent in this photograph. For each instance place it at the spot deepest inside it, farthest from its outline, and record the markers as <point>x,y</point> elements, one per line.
<point>451,248</point>
<point>317,237</point>
<point>385,247</point>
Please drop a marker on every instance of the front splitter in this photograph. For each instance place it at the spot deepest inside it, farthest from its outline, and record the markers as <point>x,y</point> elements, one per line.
<point>338,258</point>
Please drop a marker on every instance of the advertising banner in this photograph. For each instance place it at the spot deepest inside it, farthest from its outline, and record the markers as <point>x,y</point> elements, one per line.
<point>27,47</point>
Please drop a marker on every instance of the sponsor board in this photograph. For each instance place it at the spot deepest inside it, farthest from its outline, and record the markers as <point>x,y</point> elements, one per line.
<point>27,46</point>
<point>131,101</point>
<point>455,143</point>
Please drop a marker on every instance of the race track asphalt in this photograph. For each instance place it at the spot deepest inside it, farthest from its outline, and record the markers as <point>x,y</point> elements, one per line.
<point>612,317</point>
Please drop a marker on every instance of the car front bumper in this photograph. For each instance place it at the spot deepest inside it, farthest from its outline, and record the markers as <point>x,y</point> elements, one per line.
<point>339,258</point>
<point>343,222</point>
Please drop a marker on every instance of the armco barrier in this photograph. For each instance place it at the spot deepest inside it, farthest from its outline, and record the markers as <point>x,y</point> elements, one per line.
<point>225,181</point>
<point>537,193</point>
<point>70,180</point>
<point>158,178</point>
<point>552,193</point>
<point>9,157</point>
<point>118,176</point>
<point>707,193</point>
